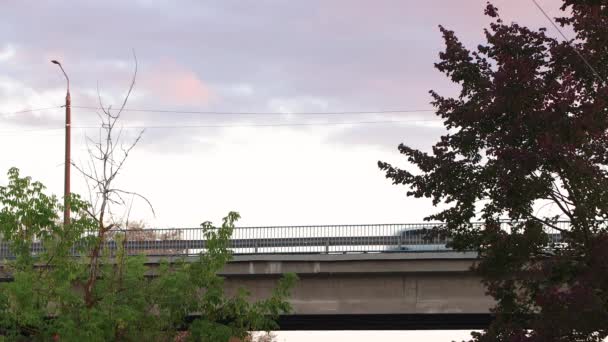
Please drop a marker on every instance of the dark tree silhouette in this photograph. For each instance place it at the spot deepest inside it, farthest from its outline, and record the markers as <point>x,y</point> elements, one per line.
<point>528,129</point>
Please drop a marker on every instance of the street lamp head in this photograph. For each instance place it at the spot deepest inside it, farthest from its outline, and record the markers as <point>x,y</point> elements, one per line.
<point>63,71</point>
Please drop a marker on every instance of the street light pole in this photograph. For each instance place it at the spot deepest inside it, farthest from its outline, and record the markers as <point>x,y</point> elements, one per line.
<point>68,122</point>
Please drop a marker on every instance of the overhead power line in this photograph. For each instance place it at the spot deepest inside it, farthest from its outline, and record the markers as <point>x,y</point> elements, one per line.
<point>177,111</point>
<point>174,111</point>
<point>269,124</point>
<point>595,73</point>
<point>31,110</point>
<point>294,124</point>
<point>196,125</point>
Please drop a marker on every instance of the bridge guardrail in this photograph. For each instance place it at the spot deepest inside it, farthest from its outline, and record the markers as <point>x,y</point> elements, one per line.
<point>287,239</point>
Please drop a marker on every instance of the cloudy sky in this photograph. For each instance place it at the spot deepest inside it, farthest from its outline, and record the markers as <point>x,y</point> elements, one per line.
<point>229,56</point>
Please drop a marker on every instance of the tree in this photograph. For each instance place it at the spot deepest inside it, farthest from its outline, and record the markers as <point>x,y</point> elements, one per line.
<point>43,302</point>
<point>529,129</point>
<point>109,294</point>
<point>107,156</point>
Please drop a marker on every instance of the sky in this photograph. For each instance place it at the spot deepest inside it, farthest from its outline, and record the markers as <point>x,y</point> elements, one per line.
<point>281,57</point>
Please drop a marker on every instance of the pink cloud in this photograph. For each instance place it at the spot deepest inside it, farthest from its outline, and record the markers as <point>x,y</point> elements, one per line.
<point>171,82</point>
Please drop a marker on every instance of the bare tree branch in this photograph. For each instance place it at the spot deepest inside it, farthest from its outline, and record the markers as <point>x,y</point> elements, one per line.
<point>549,224</point>
<point>124,103</point>
<point>137,195</point>
<point>562,206</point>
<point>106,162</point>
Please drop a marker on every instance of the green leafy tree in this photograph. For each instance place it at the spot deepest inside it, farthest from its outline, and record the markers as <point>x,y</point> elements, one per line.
<point>46,299</point>
<point>528,129</point>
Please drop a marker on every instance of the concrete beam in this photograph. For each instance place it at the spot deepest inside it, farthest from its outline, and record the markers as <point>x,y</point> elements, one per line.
<point>336,285</point>
<point>369,284</point>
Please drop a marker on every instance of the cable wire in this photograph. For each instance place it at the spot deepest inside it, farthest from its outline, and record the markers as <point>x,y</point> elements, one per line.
<point>236,125</point>
<point>235,113</point>
<point>174,111</point>
<point>31,110</point>
<point>568,41</point>
<point>268,125</point>
<point>152,110</point>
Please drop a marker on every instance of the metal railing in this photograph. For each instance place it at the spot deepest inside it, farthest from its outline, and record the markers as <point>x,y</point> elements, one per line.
<point>367,238</point>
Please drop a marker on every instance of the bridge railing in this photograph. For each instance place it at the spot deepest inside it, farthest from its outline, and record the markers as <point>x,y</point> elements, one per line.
<point>365,238</point>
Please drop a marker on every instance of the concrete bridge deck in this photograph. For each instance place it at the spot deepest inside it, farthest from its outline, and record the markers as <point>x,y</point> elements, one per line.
<point>351,277</point>
<point>427,290</point>
<point>365,291</point>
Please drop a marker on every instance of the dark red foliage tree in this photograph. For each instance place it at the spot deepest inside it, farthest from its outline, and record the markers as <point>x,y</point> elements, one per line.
<point>529,129</point>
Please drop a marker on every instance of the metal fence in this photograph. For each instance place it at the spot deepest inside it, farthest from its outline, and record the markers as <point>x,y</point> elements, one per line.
<point>368,238</point>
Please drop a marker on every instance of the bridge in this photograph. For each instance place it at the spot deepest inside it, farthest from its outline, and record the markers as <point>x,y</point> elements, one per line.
<point>370,291</point>
<point>352,277</point>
